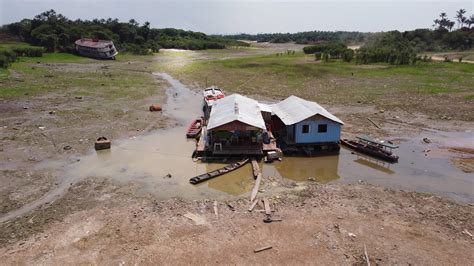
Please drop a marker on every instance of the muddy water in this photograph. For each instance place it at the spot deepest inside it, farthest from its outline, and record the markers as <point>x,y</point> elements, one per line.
<point>160,162</point>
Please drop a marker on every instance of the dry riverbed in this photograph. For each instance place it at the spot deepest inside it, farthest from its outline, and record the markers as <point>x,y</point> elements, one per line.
<point>104,221</point>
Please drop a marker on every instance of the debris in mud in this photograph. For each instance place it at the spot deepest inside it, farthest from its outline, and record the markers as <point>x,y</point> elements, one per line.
<point>67,147</point>
<point>426,140</point>
<point>155,108</point>
<point>167,176</point>
<point>78,97</point>
<point>262,249</point>
<point>197,219</point>
<point>102,143</point>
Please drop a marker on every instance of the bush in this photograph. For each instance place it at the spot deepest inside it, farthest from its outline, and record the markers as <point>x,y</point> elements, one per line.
<point>4,62</point>
<point>317,56</point>
<point>7,57</point>
<point>29,52</point>
<point>348,55</point>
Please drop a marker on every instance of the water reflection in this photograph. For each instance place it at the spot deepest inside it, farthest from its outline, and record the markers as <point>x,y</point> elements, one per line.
<point>375,164</point>
<point>234,183</point>
<point>321,169</point>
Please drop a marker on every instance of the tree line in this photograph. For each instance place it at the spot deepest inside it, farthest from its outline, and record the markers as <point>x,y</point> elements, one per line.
<point>401,48</point>
<point>307,37</point>
<point>56,32</point>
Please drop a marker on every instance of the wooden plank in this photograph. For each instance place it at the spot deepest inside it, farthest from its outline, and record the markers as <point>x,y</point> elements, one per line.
<point>262,249</point>
<point>256,168</point>
<point>255,187</point>
<point>253,205</point>
<point>366,255</point>
<point>266,203</point>
<point>373,123</point>
<point>215,210</point>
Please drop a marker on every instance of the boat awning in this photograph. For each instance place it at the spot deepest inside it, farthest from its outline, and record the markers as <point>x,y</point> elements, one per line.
<point>235,108</point>
<point>377,141</point>
<point>294,109</point>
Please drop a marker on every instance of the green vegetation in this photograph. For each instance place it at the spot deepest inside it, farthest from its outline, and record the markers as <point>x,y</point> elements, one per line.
<point>306,37</point>
<point>422,87</point>
<point>10,52</point>
<point>55,32</point>
<point>332,50</point>
<point>63,72</point>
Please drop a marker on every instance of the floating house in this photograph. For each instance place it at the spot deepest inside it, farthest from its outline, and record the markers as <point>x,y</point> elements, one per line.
<point>100,49</point>
<point>303,126</point>
<point>235,127</point>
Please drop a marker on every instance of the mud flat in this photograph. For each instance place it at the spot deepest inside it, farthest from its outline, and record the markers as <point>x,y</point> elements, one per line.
<point>130,204</point>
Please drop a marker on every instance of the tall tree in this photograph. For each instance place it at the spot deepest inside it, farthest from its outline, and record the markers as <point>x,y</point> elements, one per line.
<point>460,17</point>
<point>470,21</point>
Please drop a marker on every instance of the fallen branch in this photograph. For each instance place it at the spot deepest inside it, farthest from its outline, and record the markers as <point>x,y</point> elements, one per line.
<point>366,255</point>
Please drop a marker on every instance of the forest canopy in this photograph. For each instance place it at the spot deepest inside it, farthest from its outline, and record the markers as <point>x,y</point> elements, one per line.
<point>55,32</point>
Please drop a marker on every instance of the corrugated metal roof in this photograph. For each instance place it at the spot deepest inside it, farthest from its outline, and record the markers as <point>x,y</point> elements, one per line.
<point>294,109</point>
<point>265,107</point>
<point>235,108</point>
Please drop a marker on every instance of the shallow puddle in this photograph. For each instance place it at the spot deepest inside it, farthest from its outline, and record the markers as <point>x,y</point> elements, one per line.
<point>161,162</point>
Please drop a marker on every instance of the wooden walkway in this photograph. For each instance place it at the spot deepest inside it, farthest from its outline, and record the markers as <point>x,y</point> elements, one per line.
<point>201,145</point>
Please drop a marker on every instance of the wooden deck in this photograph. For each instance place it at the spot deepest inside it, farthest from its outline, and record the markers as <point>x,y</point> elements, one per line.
<point>201,145</point>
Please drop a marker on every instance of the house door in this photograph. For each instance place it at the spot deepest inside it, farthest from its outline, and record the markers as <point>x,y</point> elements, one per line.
<point>290,131</point>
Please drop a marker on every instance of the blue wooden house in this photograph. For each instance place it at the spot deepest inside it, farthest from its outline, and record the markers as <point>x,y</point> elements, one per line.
<point>305,126</point>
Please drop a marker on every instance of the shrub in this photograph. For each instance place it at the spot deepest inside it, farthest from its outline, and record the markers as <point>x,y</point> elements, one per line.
<point>348,55</point>
<point>317,56</point>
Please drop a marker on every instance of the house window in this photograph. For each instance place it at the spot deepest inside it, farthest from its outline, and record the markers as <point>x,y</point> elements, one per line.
<point>322,128</point>
<point>305,129</point>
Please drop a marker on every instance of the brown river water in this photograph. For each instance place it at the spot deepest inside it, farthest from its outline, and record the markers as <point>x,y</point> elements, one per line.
<point>160,163</point>
<point>148,159</point>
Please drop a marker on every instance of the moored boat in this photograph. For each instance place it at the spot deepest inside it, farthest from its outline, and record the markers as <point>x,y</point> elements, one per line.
<point>224,170</point>
<point>194,129</point>
<point>211,95</point>
<point>373,147</point>
<point>94,48</point>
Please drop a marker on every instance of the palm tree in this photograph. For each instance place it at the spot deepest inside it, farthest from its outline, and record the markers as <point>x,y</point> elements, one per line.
<point>460,17</point>
<point>470,21</point>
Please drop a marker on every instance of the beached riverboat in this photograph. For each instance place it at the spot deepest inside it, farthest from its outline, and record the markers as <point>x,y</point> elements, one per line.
<point>94,48</point>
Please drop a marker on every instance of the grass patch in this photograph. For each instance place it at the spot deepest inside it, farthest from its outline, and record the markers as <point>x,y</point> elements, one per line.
<point>11,45</point>
<point>469,97</point>
<point>78,75</point>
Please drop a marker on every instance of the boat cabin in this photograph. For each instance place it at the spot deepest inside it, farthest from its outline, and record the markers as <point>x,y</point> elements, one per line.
<point>210,95</point>
<point>298,122</point>
<point>235,127</point>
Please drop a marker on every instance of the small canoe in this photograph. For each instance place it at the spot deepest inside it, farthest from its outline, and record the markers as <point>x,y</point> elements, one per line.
<point>194,129</point>
<point>229,168</point>
<point>371,150</point>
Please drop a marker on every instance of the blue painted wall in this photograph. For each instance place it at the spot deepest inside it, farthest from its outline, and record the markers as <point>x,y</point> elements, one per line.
<point>333,133</point>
